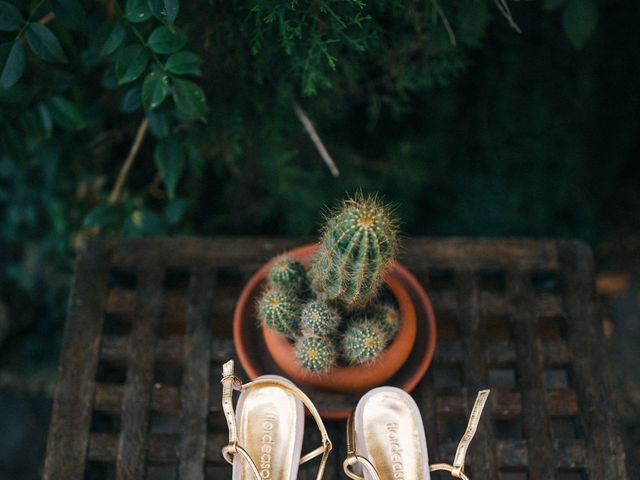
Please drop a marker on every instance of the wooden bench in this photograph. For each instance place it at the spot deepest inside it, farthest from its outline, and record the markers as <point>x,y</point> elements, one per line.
<point>149,326</point>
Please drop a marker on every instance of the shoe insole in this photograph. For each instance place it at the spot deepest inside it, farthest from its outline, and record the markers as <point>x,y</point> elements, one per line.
<point>390,433</point>
<point>270,428</point>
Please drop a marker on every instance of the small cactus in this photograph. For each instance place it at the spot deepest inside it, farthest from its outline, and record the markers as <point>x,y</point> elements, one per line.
<point>279,310</point>
<point>287,273</point>
<point>319,318</point>
<point>358,243</point>
<point>387,317</point>
<point>315,354</point>
<point>363,342</point>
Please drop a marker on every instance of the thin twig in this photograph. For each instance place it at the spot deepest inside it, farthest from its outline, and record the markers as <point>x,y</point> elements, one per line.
<point>315,138</point>
<point>445,21</point>
<point>47,18</point>
<point>126,166</point>
<point>316,13</point>
<point>503,6</point>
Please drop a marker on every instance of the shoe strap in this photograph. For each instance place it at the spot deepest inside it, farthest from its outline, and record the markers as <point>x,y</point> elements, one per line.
<point>456,469</point>
<point>230,382</point>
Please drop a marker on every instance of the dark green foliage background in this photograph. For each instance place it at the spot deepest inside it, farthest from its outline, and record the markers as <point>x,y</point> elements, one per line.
<point>502,134</point>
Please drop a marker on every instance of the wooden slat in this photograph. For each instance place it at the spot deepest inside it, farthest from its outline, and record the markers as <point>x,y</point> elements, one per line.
<point>192,252</point>
<point>530,373</point>
<point>425,395</point>
<point>482,452</point>
<point>515,454</point>
<point>115,349</point>
<point>195,386</point>
<point>132,444</point>
<point>476,254</point>
<point>162,448</point>
<point>71,416</point>
<point>507,405</point>
<point>502,353</point>
<point>426,398</point>
<point>496,304</point>
<point>599,416</point>
<point>165,399</point>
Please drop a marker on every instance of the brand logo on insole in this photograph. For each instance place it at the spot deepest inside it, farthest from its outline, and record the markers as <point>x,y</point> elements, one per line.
<point>396,452</point>
<point>267,441</point>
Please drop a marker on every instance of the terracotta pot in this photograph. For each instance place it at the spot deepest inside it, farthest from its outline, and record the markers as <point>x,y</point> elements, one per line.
<point>342,379</point>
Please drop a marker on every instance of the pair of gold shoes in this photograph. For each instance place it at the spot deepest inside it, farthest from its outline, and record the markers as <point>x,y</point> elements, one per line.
<point>385,434</point>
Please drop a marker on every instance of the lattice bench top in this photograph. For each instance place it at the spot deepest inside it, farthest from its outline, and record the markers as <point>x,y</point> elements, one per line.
<point>149,326</point>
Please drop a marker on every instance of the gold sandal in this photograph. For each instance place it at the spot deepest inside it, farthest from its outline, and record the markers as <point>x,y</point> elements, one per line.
<point>268,429</point>
<point>387,429</point>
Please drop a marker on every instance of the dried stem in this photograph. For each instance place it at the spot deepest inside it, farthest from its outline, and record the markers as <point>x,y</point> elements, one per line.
<point>315,138</point>
<point>445,21</point>
<point>503,6</point>
<point>47,18</point>
<point>126,166</point>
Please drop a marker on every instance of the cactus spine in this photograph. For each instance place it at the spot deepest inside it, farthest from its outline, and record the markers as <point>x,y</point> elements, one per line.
<point>318,318</point>
<point>279,310</point>
<point>363,342</point>
<point>358,243</point>
<point>387,317</point>
<point>287,273</point>
<point>315,354</point>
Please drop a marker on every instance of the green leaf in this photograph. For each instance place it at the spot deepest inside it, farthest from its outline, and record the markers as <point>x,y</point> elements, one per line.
<point>158,124</point>
<point>184,63</point>
<point>550,5</point>
<point>196,160</point>
<point>70,13</point>
<point>154,89</point>
<point>579,20</point>
<point>13,65</point>
<point>45,44</point>
<point>101,215</point>
<point>114,39</point>
<point>144,222</point>
<point>164,10</point>
<point>169,159</point>
<point>131,100</point>
<point>45,118</point>
<point>65,113</point>
<point>137,11</point>
<point>189,98</point>
<point>175,210</point>
<point>10,17</point>
<point>163,40</point>
<point>131,63</point>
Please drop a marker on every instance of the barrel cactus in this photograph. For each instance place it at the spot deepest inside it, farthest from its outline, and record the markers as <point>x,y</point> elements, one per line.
<point>319,318</point>
<point>386,315</point>
<point>363,341</point>
<point>287,273</point>
<point>358,244</point>
<point>315,354</point>
<point>279,310</point>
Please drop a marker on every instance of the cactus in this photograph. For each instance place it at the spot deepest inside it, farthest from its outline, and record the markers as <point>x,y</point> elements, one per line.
<point>279,310</point>
<point>358,243</point>
<point>363,341</point>
<point>387,317</point>
<point>315,354</point>
<point>287,273</point>
<point>319,318</point>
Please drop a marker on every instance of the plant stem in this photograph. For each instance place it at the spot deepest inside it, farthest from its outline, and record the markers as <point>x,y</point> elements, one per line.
<point>126,166</point>
<point>315,138</point>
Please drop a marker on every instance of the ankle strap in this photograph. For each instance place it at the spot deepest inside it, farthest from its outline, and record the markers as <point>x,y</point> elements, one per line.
<point>456,469</point>
<point>230,382</point>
